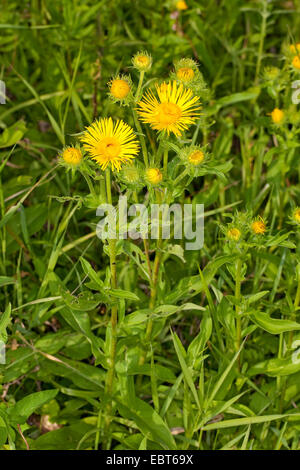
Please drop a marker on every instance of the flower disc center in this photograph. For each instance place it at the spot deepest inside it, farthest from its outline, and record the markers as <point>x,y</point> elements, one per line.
<point>168,113</point>
<point>109,148</point>
<point>185,73</point>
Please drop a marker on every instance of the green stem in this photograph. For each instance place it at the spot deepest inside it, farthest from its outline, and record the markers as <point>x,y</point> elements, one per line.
<point>142,138</point>
<point>281,382</point>
<point>153,294</point>
<point>145,242</point>
<point>279,386</point>
<point>113,320</point>
<point>237,307</point>
<point>166,153</point>
<point>294,316</point>
<point>138,91</point>
<point>102,190</point>
<point>196,132</point>
<point>89,183</point>
<point>159,153</point>
<point>179,177</point>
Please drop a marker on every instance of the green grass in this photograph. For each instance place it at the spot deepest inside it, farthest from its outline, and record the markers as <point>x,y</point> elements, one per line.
<point>206,340</point>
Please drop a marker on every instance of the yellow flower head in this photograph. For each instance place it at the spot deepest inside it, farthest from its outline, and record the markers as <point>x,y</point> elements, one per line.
<point>72,156</point>
<point>258,227</point>
<point>119,88</point>
<point>234,234</point>
<point>296,62</point>
<point>181,5</point>
<point>185,74</point>
<point>277,116</point>
<point>196,157</point>
<point>142,61</point>
<point>154,175</point>
<point>174,110</point>
<point>294,49</point>
<point>110,143</point>
<point>296,215</point>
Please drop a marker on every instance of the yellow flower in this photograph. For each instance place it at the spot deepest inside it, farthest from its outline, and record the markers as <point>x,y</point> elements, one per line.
<point>296,62</point>
<point>296,215</point>
<point>196,157</point>
<point>110,143</point>
<point>154,175</point>
<point>119,88</point>
<point>258,227</point>
<point>142,61</point>
<point>234,234</point>
<point>277,115</point>
<point>185,74</point>
<point>181,5</point>
<point>72,156</point>
<point>295,49</point>
<point>174,110</point>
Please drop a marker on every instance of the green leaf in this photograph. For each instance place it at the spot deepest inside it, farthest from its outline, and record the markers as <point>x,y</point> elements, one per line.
<point>3,431</point>
<point>5,280</point>
<point>273,325</point>
<point>4,322</point>
<point>251,94</point>
<point>87,268</point>
<point>148,421</point>
<point>276,367</point>
<point>163,373</point>
<point>85,302</point>
<point>123,294</point>
<point>198,344</point>
<point>21,411</point>
<point>246,421</point>
<point>80,322</point>
<point>83,375</point>
<point>66,438</point>
<point>137,317</point>
<point>185,370</point>
<point>254,297</point>
<point>191,286</point>
<point>11,135</point>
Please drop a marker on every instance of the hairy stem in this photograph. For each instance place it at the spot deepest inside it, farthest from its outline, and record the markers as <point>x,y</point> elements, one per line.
<point>237,307</point>
<point>141,137</point>
<point>153,294</point>
<point>113,321</point>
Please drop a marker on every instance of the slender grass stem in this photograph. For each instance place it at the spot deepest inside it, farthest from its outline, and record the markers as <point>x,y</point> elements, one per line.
<point>261,41</point>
